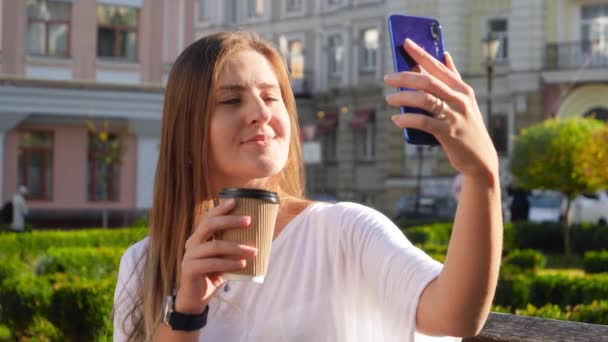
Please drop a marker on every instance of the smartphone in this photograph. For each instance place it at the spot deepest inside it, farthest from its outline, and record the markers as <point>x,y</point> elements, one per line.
<point>425,32</point>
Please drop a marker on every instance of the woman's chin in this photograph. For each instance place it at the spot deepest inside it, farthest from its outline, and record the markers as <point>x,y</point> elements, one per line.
<point>263,169</point>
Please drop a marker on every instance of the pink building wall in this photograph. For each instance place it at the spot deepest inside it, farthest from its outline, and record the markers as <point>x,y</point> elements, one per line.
<point>70,170</point>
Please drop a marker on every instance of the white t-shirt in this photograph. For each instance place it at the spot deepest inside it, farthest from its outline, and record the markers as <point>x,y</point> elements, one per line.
<point>337,272</point>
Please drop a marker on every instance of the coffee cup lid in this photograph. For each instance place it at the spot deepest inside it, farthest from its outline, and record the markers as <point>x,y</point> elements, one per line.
<point>264,195</point>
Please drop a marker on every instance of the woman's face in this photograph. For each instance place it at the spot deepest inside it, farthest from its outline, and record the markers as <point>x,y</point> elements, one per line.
<point>250,128</point>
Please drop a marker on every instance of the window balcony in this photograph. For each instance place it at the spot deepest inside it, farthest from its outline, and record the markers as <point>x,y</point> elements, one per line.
<point>591,54</point>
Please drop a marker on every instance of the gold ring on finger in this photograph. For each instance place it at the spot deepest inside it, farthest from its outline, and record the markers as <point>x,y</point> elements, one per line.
<point>441,114</point>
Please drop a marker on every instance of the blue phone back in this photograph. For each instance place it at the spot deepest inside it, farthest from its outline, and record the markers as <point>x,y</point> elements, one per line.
<point>417,29</point>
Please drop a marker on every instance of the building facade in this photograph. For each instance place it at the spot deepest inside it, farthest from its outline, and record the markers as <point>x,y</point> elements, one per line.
<point>551,63</point>
<point>64,63</point>
<point>69,65</point>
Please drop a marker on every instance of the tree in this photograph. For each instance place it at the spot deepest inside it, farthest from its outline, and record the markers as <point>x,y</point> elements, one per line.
<point>547,156</point>
<point>594,159</point>
<point>108,145</point>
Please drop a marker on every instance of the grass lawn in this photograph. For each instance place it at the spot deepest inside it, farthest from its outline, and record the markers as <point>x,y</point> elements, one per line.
<point>575,272</point>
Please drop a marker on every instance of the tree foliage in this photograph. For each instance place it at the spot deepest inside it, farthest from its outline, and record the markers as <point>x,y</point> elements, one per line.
<point>594,159</point>
<point>562,155</point>
<point>547,156</point>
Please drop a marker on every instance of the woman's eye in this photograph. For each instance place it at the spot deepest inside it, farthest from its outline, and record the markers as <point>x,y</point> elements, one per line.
<point>231,101</point>
<point>270,99</point>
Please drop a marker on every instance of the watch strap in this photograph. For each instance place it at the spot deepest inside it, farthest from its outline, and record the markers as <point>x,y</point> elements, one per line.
<point>188,322</point>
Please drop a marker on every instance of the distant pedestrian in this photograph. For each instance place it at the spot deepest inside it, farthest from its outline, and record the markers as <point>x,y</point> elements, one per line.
<point>520,205</point>
<point>19,209</point>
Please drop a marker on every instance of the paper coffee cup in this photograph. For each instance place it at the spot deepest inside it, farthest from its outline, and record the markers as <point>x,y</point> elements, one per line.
<point>262,206</point>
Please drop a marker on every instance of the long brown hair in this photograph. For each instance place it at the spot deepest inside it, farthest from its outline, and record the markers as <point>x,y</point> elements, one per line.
<point>183,188</point>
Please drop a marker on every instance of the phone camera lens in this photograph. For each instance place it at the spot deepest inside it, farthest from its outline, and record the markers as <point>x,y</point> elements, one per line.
<point>435,31</point>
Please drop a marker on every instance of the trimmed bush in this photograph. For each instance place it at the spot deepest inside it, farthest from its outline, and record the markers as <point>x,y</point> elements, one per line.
<point>81,308</point>
<point>525,259</point>
<point>595,312</point>
<point>89,262</point>
<point>513,291</point>
<point>36,243</point>
<point>10,267</point>
<point>596,262</point>
<point>22,298</point>
<point>517,290</point>
<point>438,234</point>
<point>547,237</point>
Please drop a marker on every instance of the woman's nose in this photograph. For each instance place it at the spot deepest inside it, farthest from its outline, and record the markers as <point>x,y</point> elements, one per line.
<point>258,113</point>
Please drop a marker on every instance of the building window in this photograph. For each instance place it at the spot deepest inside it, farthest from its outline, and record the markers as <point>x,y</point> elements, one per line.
<point>103,177</point>
<point>369,49</point>
<point>255,8</point>
<point>499,132</point>
<point>294,5</point>
<point>364,128</point>
<point>329,146</point>
<point>336,56</point>
<point>327,127</point>
<point>117,32</point>
<point>594,29</point>
<point>48,27</point>
<point>203,10</point>
<point>500,28</point>
<point>293,52</point>
<point>35,164</point>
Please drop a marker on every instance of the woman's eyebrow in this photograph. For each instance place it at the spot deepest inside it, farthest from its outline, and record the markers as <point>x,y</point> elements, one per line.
<point>240,87</point>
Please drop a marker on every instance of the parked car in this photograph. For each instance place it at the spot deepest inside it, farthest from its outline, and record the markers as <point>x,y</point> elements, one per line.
<point>590,207</point>
<point>545,206</point>
<point>428,206</point>
<point>548,206</point>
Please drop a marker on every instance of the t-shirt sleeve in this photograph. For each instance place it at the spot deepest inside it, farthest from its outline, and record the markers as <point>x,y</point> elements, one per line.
<point>387,267</point>
<point>125,294</point>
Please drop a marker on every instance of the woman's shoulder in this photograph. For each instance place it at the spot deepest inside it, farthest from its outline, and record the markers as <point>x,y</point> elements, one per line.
<point>134,254</point>
<point>349,211</point>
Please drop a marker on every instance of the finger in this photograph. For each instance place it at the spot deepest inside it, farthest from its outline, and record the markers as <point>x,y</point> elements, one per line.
<point>432,65</point>
<point>213,225</point>
<point>220,248</point>
<point>418,99</point>
<point>212,265</point>
<point>449,62</point>
<point>419,121</point>
<point>427,83</point>
<point>224,208</point>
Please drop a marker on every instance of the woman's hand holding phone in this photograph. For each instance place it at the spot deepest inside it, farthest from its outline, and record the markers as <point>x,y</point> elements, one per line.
<point>457,122</point>
<point>204,258</point>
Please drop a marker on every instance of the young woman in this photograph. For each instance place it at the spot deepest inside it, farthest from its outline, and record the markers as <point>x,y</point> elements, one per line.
<point>337,272</point>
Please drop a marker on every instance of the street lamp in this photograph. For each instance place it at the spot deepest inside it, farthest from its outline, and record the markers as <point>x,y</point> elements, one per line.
<point>490,45</point>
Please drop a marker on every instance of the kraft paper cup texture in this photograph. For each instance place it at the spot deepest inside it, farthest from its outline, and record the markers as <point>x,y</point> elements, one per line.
<point>259,234</point>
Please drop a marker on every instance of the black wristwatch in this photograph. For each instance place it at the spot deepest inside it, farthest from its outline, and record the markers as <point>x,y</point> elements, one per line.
<point>182,321</point>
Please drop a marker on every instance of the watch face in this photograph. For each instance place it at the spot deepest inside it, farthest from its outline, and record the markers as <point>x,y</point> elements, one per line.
<point>168,309</point>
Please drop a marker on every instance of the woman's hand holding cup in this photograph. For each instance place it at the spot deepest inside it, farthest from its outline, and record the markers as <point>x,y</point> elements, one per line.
<point>205,257</point>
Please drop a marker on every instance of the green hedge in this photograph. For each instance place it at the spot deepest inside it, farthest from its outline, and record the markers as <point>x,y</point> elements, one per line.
<point>437,234</point>
<point>595,312</point>
<point>517,291</point>
<point>548,237</point>
<point>89,262</point>
<point>525,259</point>
<point>22,298</point>
<point>81,308</point>
<point>36,243</point>
<point>64,288</point>
<point>596,261</point>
